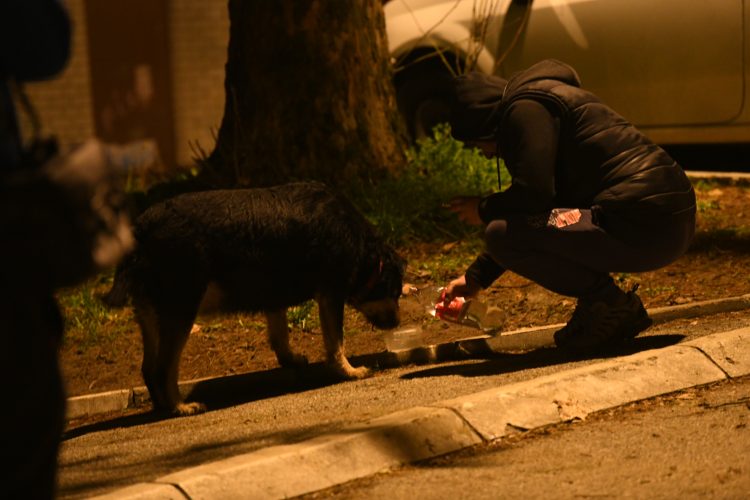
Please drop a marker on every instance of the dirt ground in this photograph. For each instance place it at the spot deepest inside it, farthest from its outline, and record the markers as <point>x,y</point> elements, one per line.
<point>717,265</point>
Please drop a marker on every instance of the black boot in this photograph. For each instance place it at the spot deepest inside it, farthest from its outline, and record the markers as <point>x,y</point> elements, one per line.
<point>597,324</point>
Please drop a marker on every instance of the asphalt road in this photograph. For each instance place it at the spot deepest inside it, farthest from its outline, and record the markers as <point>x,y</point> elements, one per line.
<point>692,444</point>
<point>132,449</point>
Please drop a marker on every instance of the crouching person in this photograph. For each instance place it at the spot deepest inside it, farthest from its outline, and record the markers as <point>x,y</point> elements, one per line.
<point>590,195</point>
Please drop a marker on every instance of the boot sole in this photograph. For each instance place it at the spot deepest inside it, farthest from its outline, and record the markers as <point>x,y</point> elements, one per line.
<point>642,324</point>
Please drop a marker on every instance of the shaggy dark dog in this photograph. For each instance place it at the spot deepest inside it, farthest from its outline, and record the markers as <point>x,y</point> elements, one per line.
<point>253,250</point>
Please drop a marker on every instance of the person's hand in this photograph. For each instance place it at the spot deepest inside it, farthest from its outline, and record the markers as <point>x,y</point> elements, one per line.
<point>461,287</point>
<point>466,208</point>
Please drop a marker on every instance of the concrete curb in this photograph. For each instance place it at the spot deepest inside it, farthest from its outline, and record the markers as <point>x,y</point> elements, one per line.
<point>526,338</point>
<point>426,432</point>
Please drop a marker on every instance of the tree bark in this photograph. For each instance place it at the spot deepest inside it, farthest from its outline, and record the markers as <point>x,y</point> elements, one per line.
<point>308,95</point>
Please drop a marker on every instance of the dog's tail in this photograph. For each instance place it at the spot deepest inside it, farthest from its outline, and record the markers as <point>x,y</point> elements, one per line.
<point>118,295</point>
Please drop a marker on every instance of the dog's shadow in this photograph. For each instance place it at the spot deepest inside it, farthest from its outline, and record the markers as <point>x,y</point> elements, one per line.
<point>224,392</point>
<point>499,363</point>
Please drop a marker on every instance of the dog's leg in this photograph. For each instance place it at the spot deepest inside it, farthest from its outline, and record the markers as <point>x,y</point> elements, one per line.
<point>332,322</point>
<point>164,336</point>
<point>148,322</point>
<point>175,330</point>
<point>278,337</point>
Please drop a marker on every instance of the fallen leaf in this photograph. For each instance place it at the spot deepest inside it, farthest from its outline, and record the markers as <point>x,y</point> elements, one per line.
<point>448,246</point>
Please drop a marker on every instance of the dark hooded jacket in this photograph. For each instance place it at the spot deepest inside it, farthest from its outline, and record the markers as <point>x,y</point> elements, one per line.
<point>565,148</point>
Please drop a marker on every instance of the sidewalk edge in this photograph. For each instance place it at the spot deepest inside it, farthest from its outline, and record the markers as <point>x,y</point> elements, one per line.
<point>525,338</point>
<point>426,432</point>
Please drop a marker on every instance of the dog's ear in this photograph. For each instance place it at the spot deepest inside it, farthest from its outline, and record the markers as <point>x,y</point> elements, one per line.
<point>393,269</point>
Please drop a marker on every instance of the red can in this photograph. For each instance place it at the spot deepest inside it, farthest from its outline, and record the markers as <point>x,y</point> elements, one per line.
<point>450,311</point>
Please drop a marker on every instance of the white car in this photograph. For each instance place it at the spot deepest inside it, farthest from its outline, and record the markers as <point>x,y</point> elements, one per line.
<point>677,69</point>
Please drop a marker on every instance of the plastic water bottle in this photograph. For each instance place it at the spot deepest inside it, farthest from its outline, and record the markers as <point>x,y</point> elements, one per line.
<point>470,312</point>
<point>407,337</point>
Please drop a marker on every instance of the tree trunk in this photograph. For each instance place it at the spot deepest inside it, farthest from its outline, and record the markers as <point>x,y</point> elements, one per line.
<point>308,95</point>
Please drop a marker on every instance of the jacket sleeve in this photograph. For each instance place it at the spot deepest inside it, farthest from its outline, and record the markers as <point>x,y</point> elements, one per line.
<point>528,145</point>
<point>484,270</point>
<point>34,39</point>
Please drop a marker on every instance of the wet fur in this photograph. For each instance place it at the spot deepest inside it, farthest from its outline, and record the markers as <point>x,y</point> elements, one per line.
<point>253,250</point>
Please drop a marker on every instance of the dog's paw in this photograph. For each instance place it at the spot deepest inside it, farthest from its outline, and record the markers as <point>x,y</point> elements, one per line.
<point>187,409</point>
<point>293,360</point>
<point>351,373</point>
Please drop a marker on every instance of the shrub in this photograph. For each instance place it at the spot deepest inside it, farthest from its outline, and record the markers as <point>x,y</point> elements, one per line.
<point>410,205</point>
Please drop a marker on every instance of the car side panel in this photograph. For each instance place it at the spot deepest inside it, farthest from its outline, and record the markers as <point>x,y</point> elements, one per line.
<point>659,63</point>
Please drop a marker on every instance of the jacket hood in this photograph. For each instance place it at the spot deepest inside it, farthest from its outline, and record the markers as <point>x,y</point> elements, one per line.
<point>475,101</point>
<point>477,97</point>
<point>548,69</point>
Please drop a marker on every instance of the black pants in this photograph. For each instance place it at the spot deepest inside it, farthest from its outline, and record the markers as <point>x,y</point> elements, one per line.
<point>576,259</point>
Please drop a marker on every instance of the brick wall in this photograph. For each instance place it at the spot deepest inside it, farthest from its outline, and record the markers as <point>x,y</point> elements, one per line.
<point>199,34</point>
<point>64,103</point>
<point>199,39</point>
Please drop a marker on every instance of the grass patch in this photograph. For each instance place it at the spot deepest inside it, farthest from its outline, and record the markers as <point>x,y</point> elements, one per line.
<point>409,206</point>
<point>733,238</point>
<point>444,266</point>
<point>303,316</point>
<point>658,289</point>
<point>705,184</point>
<point>705,206</point>
<point>88,322</point>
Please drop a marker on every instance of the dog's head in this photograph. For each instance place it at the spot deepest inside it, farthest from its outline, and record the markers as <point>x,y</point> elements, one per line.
<point>377,299</point>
